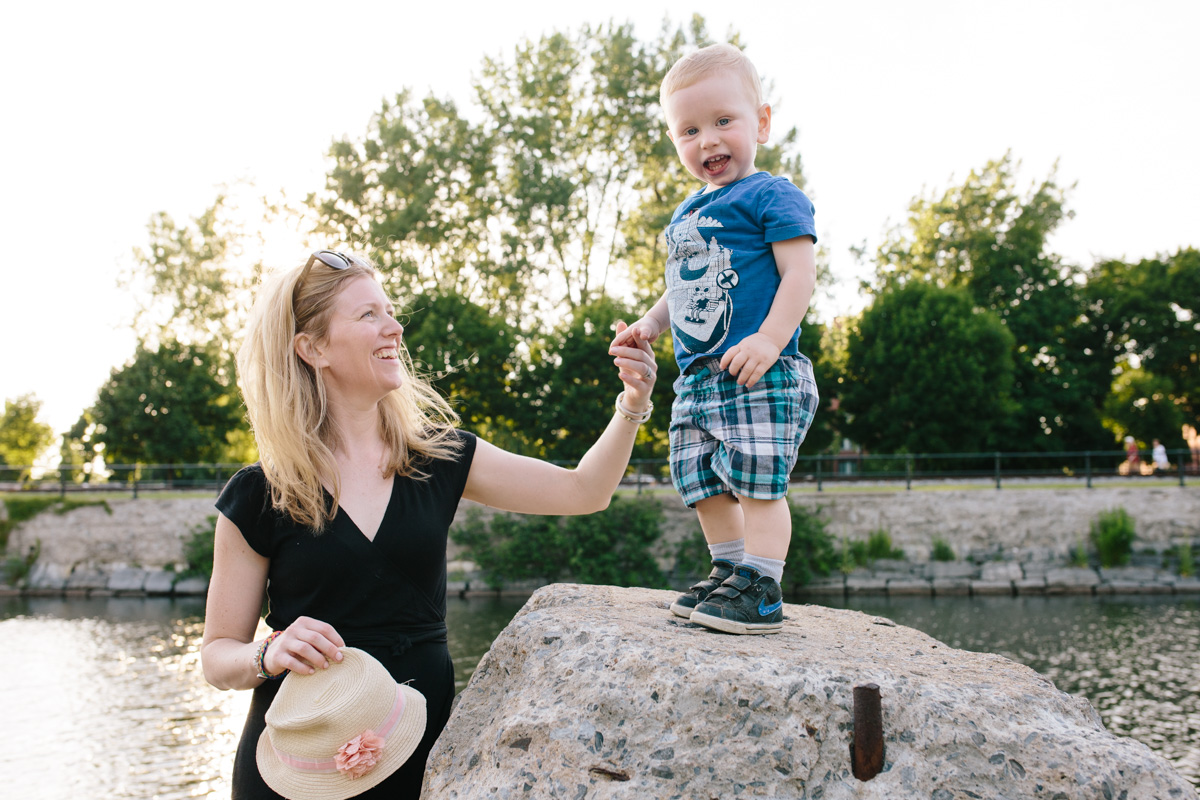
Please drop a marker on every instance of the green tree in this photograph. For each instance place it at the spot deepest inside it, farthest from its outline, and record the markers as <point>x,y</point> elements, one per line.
<point>470,356</point>
<point>926,373</point>
<point>195,279</point>
<point>566,395</point>
<point>1148,314</point>
<point>990,239</point>
<point>820,343</point>
<point>1141,406</point>
<point>166,406</point>
<point>22,437</point>
<point>416,195</point>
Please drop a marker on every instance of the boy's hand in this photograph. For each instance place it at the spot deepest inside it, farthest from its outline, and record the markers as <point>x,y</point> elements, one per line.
<point>644,330</point>
<point>749,359</point>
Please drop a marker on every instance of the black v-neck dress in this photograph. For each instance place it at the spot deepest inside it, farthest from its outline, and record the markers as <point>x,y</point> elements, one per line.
<point>386,596</point>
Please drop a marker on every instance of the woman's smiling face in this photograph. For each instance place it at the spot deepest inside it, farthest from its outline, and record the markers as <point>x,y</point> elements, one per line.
<point>361,353</point>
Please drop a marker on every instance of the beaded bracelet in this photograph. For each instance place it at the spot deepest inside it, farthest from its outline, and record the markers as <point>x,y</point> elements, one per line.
<point>260,659</point>
<point>633,416</point>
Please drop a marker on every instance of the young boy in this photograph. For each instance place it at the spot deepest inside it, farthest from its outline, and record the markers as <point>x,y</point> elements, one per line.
<point>740,274</point>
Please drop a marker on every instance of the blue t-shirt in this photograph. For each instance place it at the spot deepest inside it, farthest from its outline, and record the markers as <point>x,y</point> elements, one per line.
<point>721,273</point>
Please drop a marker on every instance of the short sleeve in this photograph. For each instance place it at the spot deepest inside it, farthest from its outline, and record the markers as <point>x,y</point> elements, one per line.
<point>786,212</point>
<point>246,502</point>
<point>458,469</point>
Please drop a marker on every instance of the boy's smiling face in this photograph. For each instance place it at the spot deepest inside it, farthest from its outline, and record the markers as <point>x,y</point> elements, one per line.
<point>716,128</point>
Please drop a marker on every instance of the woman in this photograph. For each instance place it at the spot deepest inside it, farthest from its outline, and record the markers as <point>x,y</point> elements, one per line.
<point>342,525</point>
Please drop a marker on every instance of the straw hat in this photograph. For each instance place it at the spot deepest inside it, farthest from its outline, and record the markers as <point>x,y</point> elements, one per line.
<point>340,731</point>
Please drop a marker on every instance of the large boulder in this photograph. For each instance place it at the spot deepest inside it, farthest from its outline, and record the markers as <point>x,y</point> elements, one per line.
<point>595,691</point>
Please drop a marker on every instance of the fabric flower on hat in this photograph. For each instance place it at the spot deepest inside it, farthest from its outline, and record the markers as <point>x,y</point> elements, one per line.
<point>356,757</point>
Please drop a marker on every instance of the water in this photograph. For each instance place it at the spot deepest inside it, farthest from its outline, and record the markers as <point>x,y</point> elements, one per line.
<point>104,697</point>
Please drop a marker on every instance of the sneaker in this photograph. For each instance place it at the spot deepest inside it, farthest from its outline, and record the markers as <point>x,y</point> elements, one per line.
<point>747,602</point>
<point>686,603</point>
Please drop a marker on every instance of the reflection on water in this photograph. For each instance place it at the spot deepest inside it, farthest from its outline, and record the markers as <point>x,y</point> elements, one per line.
<point>1134,658</point>
<point>104,697</point>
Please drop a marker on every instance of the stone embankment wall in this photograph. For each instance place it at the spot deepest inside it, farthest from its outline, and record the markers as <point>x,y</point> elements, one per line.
<point>139,546</point>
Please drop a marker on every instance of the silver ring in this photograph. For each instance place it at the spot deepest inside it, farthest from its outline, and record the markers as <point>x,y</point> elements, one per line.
<point>649,372</point>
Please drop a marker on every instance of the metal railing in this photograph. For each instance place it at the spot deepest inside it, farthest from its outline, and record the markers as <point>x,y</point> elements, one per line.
<point>131,478</point>
<point>1084,466</point>
<point>818,471</point>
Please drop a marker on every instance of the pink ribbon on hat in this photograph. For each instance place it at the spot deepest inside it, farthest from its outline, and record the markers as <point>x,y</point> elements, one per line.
<point>357,756</point>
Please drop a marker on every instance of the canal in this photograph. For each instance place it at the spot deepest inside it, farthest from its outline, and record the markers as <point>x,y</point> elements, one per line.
<point>104,697</point>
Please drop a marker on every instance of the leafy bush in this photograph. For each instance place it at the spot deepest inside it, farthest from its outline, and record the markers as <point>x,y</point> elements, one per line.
<point>1187,563</point>
<point>863,554</point>
<point>942,551</point>
<point>513,548</point>
<point>16,568</point>
<point>609,547</point>
<point>1113,533</point>
<point>1079,554</point>
<point>198,548</point>
<point>811,552</point>
<point>692,556</point>
<point>613,546</point>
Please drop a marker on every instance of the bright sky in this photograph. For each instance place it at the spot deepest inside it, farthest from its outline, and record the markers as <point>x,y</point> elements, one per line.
<point>115,111</point>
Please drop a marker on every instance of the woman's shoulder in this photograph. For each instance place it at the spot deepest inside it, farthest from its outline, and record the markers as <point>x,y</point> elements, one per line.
<point>248,484</point>
<point>248,477</point>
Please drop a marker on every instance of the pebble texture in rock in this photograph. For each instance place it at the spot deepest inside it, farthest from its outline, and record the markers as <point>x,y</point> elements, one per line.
<point>599,692</point>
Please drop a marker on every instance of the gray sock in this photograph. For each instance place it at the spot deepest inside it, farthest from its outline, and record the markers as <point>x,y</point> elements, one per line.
<point>728,551</point>
<point>772,568</point>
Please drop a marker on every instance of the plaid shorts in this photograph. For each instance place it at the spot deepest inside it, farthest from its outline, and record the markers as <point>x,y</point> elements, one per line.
<point>727,438</point>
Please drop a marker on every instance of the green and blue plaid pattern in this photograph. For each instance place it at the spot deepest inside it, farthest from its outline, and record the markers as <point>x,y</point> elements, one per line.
<point>727,438</point>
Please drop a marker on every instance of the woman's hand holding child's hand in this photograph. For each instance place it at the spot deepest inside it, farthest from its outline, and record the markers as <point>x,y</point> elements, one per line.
<point>635,360</point>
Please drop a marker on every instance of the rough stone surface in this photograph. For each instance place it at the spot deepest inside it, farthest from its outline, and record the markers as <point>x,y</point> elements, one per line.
<point>147,532</point>
<point>909,587</point>
<point>943,587</point>
<point>1072,577</point>
<point>129,579</point>
<point>598,692</point>
<point>87,579</point>
<point>1022,532</point>
<point>991,587</point>
<point>935,570</point>
<point>1001,571</point>
<point>1047,523</point>
<point>160,582</point>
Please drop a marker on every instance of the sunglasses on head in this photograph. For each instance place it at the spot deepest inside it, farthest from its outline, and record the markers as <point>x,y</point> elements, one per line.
<point>330,258</point>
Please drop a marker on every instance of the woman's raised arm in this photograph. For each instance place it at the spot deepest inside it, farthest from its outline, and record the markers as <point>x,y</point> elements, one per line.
<point>529,486</point>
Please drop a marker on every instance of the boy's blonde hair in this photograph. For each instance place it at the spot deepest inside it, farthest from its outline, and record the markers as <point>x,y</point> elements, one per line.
<point>705,61</point>
<point>288,405</point>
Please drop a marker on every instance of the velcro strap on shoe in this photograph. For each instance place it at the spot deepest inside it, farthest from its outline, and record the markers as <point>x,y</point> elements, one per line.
<point>732,587</point>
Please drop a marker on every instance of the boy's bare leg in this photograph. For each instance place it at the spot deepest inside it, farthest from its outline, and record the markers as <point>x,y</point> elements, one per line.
<point>721,519</point>
<point>768,526</point>
<point>722,522</point>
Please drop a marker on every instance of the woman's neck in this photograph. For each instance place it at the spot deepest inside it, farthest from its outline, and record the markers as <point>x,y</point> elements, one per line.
<point>360,441</point>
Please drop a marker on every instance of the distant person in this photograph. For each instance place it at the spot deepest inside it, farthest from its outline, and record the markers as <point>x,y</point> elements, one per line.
<point>342,525</point>
<point>1133,462</point>
<point>740,273</point>
<point>1158,454</point>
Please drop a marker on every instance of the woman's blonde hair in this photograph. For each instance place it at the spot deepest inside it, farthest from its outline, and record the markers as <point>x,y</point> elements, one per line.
<point>715,58</point>
<point>288,406</point>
